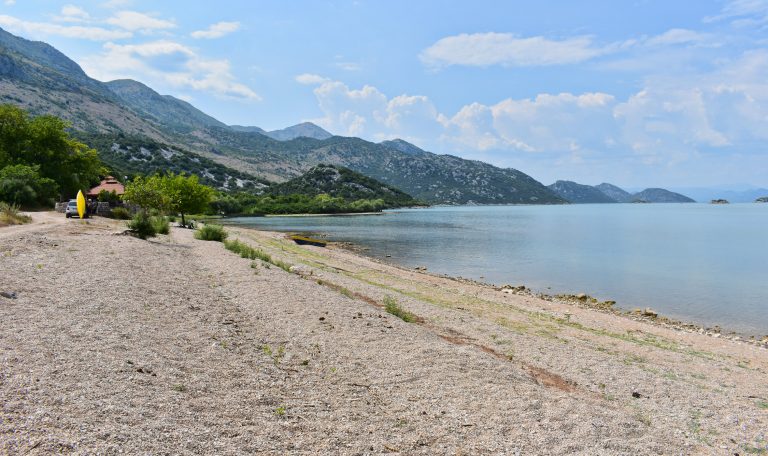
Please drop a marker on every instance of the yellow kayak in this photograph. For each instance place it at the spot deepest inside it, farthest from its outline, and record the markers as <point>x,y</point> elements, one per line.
<point>80,204</point>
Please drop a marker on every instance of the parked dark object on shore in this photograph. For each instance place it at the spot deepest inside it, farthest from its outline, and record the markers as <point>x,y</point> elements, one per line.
<point>303,240</point>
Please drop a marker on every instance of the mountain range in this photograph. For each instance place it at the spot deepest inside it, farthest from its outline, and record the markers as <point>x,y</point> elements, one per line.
<point>137,131</point>
<point>609,193</point>
<point>114,115</point>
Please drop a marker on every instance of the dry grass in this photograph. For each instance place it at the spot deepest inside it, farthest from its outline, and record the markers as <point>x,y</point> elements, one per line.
<point>10,215</point>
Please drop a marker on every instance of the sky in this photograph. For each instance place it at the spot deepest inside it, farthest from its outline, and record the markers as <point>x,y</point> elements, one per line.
<point>638,93</point>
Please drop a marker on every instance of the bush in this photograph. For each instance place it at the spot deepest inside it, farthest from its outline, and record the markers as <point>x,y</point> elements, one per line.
<point>161,225</point>
<point>391,306</point>
<point>108,197</point>
<point>120,213</point>
<point>22,185</point>
<point>141,226</point>
<point>211,233</point>
<point>9,215</point>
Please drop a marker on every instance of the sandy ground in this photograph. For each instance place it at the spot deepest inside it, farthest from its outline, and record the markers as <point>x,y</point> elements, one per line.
<point>178,346</point>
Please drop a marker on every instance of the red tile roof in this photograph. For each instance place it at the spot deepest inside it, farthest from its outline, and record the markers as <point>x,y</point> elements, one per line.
<point>109,184</point>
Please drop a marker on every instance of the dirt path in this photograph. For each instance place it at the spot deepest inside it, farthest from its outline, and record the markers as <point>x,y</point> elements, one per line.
<point>40,221</point>
<point>178,346</point>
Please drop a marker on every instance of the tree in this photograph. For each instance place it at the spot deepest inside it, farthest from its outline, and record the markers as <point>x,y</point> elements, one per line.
<point>43,142</point>
<point>186,195</point>
<point>176,193</point>
<point>147,193</point>
<point>22,185</point>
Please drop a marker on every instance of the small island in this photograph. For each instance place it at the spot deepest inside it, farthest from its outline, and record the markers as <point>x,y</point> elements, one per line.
<point>719,201</point>
<point>762,199</point>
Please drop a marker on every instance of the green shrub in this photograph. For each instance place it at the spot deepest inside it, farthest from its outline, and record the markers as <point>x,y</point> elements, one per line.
<point>161,225</point>
<point>120,213</point>
<point>141,226</point>
<point>108,197</point>
<point>391,306</point>
<point>9,215</point>
<point>22,185</point>
<point>211,233</point>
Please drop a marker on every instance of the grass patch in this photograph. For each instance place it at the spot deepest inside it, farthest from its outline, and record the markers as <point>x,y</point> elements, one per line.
<point>10,215</point>
<point>211,233</point>
<point>392,306</point>
<point>161,225</point>
<point>246,251</point>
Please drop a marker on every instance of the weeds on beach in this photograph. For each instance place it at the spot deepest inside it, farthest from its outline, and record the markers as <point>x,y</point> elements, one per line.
<point>161,225</point>
<point>120,213</point>
<point>211,233</point>
<point>246,251</point>
<point>10,215</point>
<point>391,306</point>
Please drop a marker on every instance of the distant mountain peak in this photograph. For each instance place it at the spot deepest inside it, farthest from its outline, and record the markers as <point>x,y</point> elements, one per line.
<point>402,146</point>
<point>660,195</point>
<point>614,192</point>
<point>41,53</point>
<point>304,129</point>
<point>166,109</point>
<point>579,193</point>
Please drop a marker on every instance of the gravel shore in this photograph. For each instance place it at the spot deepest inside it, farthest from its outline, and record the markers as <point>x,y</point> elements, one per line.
<point>178,346</point>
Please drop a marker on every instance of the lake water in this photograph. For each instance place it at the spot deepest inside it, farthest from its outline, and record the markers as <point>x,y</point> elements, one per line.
<point>700,263</point>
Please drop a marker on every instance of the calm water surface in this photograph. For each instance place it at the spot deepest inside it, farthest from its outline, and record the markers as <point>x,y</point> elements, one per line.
<point>696,262</point>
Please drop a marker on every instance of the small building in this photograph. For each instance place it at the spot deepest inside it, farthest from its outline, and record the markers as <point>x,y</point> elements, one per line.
<point>110,184</point>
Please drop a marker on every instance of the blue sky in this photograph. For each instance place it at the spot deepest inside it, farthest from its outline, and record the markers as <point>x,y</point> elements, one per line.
<point>637,93</point>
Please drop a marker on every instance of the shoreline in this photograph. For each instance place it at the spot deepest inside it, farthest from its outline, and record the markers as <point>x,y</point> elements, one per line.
<point>180,345</point>
<point>581,299</point>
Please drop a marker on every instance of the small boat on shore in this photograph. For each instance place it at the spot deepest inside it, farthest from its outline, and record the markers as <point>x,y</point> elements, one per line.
<point>304,240</point>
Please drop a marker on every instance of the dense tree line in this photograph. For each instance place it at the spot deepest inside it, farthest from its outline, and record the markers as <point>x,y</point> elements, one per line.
<point>40,162</point>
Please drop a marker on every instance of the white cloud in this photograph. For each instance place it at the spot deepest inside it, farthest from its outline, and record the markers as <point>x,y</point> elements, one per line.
<point>168,63</point>
<point>310,79</point>
<point>38,29</point>
<point>743,12</point>
<point>676,125</point>
<point>134,21</point>
<point>217,30</point>
<point>114,4</point>
<point>9,2</point>
<point>349,66</point>
<point>485,49</point>
<point>72,13</point>
<point>677,36</point>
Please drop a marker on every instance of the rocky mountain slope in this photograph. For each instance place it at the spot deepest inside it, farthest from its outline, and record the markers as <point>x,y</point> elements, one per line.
<point>165,110</point>
<point>616,193</point>
<point>42,80</point>
<point>660,195</point>
<point>609,193</point>
<point>579,193</point>
<point>342,182</point>
<point>128,156</point>
<point>302,130</point>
